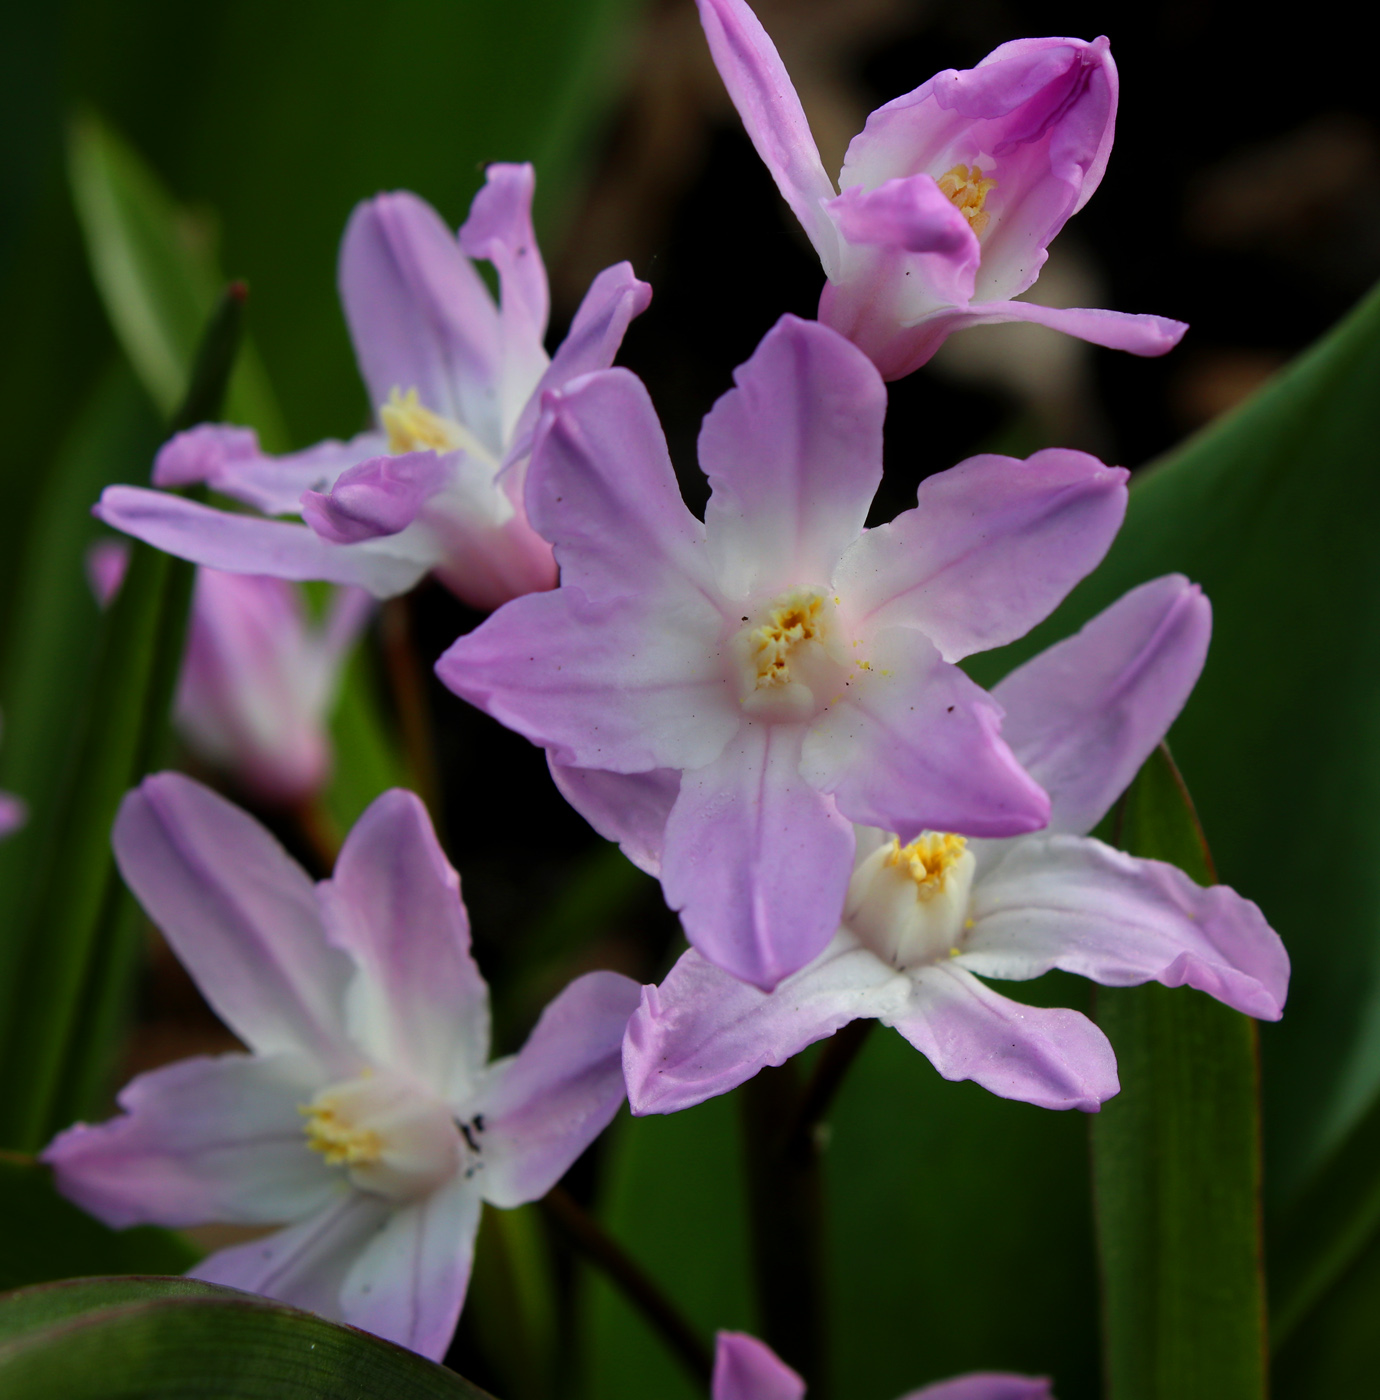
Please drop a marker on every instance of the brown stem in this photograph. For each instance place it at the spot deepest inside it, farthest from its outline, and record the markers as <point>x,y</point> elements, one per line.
<point>640,1289</point>
<point>408,685</point>
<point>318,830</point>
<point>834,1062</point>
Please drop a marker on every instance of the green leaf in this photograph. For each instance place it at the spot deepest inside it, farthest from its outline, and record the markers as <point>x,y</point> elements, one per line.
<point>1273,509</point>
<point>139,1339</point>
<point>1176,1162</point>
<point>47,1237</point>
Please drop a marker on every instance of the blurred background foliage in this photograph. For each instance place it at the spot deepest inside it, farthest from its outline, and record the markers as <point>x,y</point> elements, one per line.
<point>1243,196</point>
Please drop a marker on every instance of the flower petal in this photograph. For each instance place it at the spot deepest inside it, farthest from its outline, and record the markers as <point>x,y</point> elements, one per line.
<point>794,456</point>
<point>408,1283</point>
<point>1118,330</point>
<point>986,1385</point>
<point>13,813</point>
<point>420,316</point>
<point>239,912</point>
<point>757,862</point>
<point>993,545</point>
<point>1086,713</point>
<point>418,1004</point>
<point>915,745</point>
<point>543,1106</point>
<point>746,1369</point>
<point>241,544</point>
<point>1073,903</point>
<point>379,497</point>
<point>202,1141</point>
<point>766,100</point>
<point>629,808</point>
<point>703,1032</point>
<point>1051,1057</point>
<point>305,1265</point>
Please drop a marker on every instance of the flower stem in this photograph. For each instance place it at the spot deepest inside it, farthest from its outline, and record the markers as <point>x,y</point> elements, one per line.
<point>407,682</point>
<point>834,1062</point>
<point>636,1285</point>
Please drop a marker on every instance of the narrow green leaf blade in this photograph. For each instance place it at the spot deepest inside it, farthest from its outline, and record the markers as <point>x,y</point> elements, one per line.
<point>1176,1164</point>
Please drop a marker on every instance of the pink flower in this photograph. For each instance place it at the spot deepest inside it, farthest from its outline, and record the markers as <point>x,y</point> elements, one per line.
<point>950,194</point>
<point>746,1369</point>
<point>365,1117</point>
<point>456,383</point>
<point>13,814</point>
<point>925,920</point>
<point>778,671</point>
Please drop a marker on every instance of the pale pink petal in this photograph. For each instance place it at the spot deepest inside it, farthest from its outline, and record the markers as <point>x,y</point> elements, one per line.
<point>629,683</point>
<point>1117,330</point>
<point>408,1283</point>
<point>1086,713</point>
<point>242,544</point>
<point>420,316</point>
<point>305,1265</point>
<point>913,744</point>
<point>746,1369</point>
<point>199,1142</point>
<point>986,1385</point>
<point>1051,1057</point>
<point>382,496</point>
<point>539,1109</point>
<point>13,813</point>
<point>418,1005</point>
<point>106,562</point>
<point>757,862</point>
<point>1073,903</point>
<point>629,808</point>
<point>992,547</point>
<point>239,912</point>
<point>766,100</point>
<point>703,1032</point>
<point>794,456</point>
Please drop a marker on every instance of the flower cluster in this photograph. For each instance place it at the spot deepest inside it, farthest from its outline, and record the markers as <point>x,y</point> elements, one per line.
<point>764,708</point>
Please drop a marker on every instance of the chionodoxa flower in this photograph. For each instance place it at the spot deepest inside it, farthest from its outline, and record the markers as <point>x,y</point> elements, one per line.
<point>784,671</point>
<point>456,384</point>
<point>365,1117</point>
<point>927,918</point>
<point>950,194</point>
<point>746,1369</point>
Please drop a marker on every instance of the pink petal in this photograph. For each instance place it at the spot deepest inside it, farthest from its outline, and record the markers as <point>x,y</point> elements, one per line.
<point>1053,1058</point>
<point>539,1109</point>
<point>1073,903</point>
<point>1117,330</point>
<point>915,745</point>
<point>418,1004</point>
<point>420,316</point>
<point>239,912</point>
<point>703,1032</point>
<point>201,1141</point>
<point>1085,714</point>
<point>986,1385</point>
<point>241,544</point>
<point>794,456</point>
<point>746,1369</point>
<point>992,547</point>
<point>379,497</point>
<point>305,1265</point>
<point>106,561</point>
<point>13,813</point>
<point>629,808</point>
<point>766,100</point>
<point>757,862</point>
<point>408,1283</point>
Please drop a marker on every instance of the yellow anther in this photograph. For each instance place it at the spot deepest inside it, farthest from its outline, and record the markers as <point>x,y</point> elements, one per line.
<point>968,190</point>
<point>798,619</point>
<point>412,428</point>
<point>928,860</point>
<point>339,1142</point>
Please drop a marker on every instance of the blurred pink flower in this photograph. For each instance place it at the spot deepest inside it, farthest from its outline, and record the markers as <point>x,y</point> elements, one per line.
<point>13,814</point>
<point>950,194</point>
<point>365,1115</point>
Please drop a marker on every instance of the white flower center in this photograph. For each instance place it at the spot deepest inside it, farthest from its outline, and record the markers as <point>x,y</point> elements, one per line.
<point>392,1139</point>
<point>909,904</point>
<point>789,656</point>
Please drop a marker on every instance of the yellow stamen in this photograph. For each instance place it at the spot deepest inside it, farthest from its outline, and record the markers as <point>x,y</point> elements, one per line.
<point>968,191</point>
<point>799,619</point>
<point>928,860</point>
<point>412,428</point>
<point>339,1142</point>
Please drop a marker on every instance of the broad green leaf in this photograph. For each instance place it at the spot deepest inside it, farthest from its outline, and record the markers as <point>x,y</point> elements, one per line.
<point>1274,510</point>
<point>155,267</point>
<point>118,1339</point>
<point>47,1237</point>
<point>1176,1163</point>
